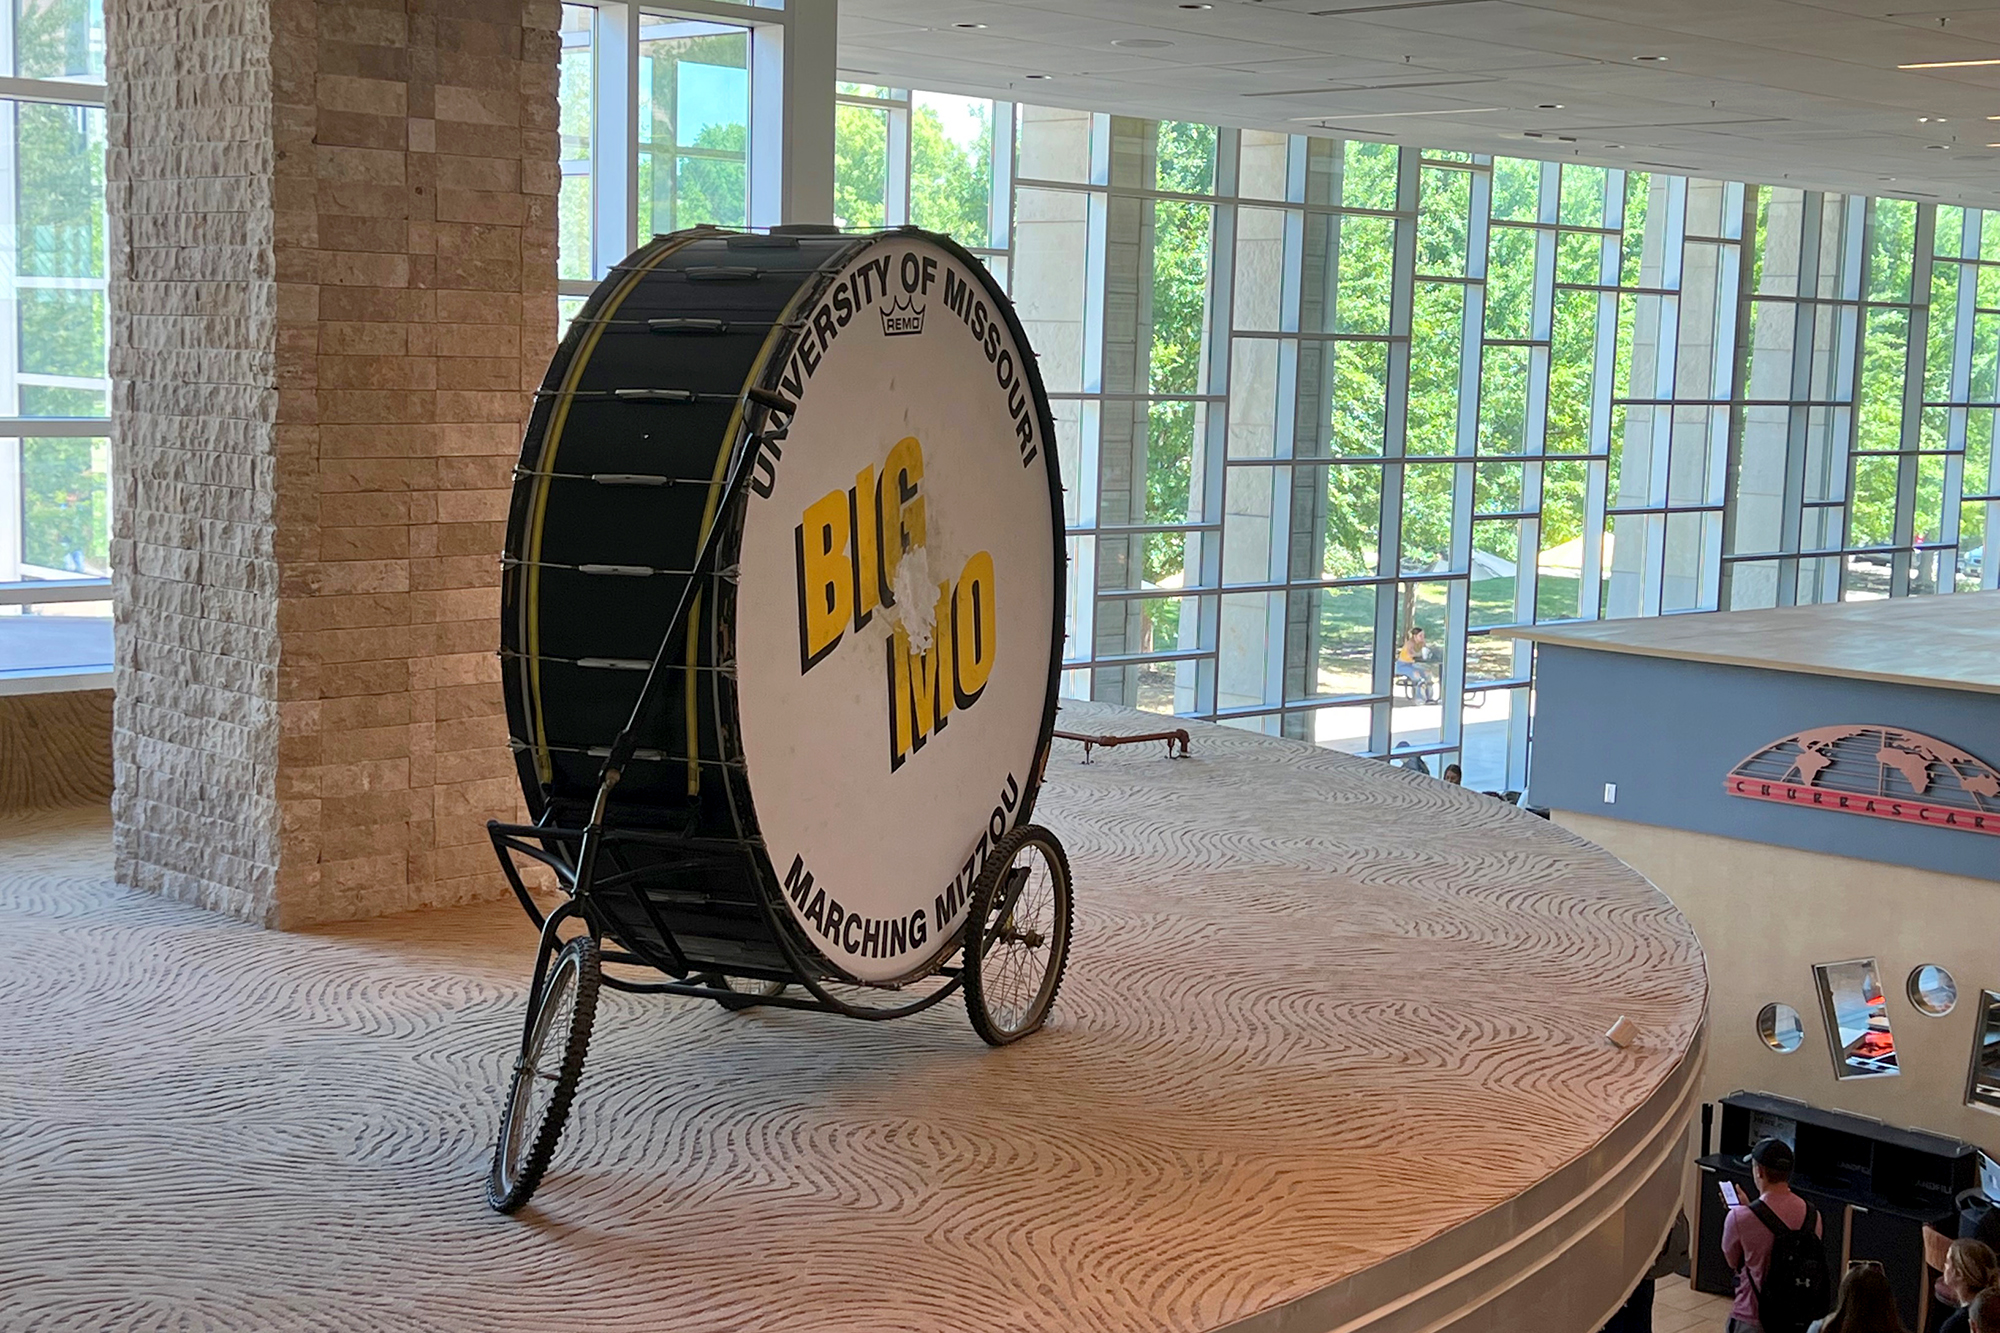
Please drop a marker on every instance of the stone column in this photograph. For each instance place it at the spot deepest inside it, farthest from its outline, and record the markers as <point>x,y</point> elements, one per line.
<point>332,235</point>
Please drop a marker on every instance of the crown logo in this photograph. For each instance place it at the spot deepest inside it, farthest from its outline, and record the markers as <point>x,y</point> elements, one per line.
<point>901,317</point>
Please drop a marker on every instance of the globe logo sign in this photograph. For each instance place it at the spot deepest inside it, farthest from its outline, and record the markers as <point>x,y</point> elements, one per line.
<point>1875,770</point>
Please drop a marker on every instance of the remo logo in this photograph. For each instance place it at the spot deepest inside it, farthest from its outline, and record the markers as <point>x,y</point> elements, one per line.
<point>892,703</point>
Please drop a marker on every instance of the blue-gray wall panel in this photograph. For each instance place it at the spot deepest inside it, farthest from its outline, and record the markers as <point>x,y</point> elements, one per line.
<point>1668,732</point>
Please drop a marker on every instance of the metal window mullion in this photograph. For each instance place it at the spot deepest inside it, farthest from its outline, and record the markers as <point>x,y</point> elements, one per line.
<point>1915,352</point>
<point>1861,210</point>
<point>1000,211</point>
<point>1451,678</point>
<point>1389,544</point>
<point>1725,383</point>
<point>896,201</point>
<point>1798,420</point>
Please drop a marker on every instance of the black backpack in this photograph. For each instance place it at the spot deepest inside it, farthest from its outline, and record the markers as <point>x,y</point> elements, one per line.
<point>1796,1287</point>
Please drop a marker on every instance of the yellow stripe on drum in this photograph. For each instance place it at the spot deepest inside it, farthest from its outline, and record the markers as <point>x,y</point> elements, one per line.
<point>545,464</point>
<point>779,326</point>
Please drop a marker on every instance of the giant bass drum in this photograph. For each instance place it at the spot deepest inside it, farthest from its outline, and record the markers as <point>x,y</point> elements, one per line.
<point>782,620</point>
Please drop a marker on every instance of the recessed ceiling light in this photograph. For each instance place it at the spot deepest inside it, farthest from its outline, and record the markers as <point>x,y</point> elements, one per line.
<point>1942,147</point>
<point>1651,60</point>
<point>1038,76</point>
<point>1548,106</point>
<point>1930,120</point>
<point>1140,43</point>
<point>1614,145</point>
<point>1197,6</point>
<point>968,25</point>
<point>1948,64</point>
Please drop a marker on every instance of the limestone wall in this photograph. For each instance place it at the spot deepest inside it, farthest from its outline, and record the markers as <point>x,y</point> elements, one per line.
<point>332,241</point>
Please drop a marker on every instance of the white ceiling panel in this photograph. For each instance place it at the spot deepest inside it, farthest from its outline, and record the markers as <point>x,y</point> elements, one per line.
<point>1800,91</point>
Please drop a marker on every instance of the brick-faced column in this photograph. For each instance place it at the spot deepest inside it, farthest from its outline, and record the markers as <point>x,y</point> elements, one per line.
<point>332,230</point>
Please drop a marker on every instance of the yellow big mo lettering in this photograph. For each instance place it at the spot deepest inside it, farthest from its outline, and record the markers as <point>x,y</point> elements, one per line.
<point>951,672</point>
<point>850,546</point>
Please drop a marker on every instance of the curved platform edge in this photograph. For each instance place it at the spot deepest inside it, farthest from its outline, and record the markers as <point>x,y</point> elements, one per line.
<point>1559,1258</point>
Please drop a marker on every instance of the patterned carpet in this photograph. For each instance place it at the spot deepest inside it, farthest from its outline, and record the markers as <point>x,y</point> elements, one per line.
<point>1318,1010</point>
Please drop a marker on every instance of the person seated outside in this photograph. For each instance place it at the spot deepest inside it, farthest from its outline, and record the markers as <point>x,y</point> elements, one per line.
<point>1969,1269</point>
<point>1408,660</point>
<point>1454,774</point>
<point>1747,1242</point>
<point>1984,1312</point>
<point>1867,1304</point>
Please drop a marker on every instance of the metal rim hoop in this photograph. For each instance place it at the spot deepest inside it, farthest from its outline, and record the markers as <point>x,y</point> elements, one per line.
<point>545,1076</point>
<point>1017,939</point>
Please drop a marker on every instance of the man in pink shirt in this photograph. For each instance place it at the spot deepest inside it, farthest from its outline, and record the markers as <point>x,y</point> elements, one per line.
<point>1746,1241</point>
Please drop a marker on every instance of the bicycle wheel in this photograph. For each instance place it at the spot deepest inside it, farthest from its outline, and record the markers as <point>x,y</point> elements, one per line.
<point>545,1076</point>
<point>1017,942</point>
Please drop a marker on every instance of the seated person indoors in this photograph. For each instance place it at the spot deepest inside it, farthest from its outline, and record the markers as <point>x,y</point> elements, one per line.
<point>1866,1304</point>
<point>1984,1312</point>
<point>1748,1237</point>
<point>1407,658</point>
<point>1969,1269</point>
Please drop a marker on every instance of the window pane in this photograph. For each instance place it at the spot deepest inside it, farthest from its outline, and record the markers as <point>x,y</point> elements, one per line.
<point>59,39</point>
<point>1343,619</point>
<point>1170,453</point>
<point>1360,395</point>
<point>1427,516</point>
<point>59,263</point>
<point>1572,371</point>
<point>1582,195</point>
<point>1187,157</point>
<point>860,165</point>
<point>1263,164</point>
<point>951,166</point>
<point>1351,528</point>
<point>1857,1019</point>
<point>1559,571</point>
<point>1892,247</point>
<point>694,125</point>
<point>574,116</point>
<point>1180,294</point>
<point>1496,553</point>
<point>1442,219</point>
<point>1436,340</point>
<point>1051,252</point>
<point>1260,267</point>
<point>1053,145</point>
<point>1368,176</point>
<point>65,508</point>
<point>1517,189</point>
<point>1503,400</point>
<point>1510,283</point>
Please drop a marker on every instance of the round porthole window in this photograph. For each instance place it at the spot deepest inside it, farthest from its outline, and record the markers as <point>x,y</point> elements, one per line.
<point>1779,1028</point>
<point>1933,991</point>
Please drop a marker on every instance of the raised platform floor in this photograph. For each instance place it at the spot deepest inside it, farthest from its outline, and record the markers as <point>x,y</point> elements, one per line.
<point>1329,1056</point>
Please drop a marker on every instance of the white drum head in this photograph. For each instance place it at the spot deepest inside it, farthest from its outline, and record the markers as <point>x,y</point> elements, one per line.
<point>893,701</point>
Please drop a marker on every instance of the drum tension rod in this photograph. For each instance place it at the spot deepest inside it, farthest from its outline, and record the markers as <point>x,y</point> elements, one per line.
<point>609,663</point>
<point>615,478</point>
<point>597,570</point>
<point>679,397</point>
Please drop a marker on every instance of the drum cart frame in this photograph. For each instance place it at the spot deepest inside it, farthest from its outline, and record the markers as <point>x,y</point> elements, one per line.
<point>593,866</point>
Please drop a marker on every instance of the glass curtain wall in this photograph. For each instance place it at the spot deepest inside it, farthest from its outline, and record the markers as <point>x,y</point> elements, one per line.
<point>1312,395</point>
<point>657,117</point>
<point>55,515</point>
